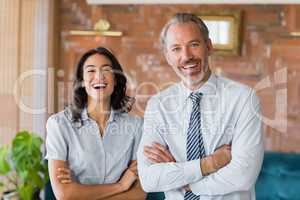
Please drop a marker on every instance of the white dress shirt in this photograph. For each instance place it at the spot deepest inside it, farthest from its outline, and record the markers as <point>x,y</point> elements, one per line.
<point>229,115</point>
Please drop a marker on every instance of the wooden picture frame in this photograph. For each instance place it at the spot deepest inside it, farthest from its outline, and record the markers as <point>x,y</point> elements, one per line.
<point>224,30</point>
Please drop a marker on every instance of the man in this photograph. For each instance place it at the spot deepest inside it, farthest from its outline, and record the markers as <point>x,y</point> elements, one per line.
<point>188,127</point>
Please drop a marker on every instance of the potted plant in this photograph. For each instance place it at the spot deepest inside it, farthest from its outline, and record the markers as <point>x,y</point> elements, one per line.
<point>22,168</point>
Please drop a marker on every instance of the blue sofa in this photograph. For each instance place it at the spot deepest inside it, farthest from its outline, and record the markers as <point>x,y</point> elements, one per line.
<point>279,179</point>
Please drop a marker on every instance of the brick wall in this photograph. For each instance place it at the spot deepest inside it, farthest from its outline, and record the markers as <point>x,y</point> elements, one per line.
<point>269,56</point>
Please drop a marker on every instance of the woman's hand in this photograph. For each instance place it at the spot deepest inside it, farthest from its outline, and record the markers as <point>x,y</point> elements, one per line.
<point>64,175</point>
<point>133,167</point>
<point>127,179</point>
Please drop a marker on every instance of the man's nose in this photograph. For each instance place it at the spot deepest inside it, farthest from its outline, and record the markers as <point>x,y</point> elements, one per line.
<point>186,54</point>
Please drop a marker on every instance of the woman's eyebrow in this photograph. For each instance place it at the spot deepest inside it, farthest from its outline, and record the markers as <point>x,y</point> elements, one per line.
<point>86,66</point>
<point>106,65</point>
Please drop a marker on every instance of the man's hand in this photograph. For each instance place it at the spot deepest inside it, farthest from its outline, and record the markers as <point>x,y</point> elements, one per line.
<point>157,153</point>
<point>220,158</point>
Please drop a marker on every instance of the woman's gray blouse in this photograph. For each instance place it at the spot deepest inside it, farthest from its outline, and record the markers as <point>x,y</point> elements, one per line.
<point>93,159</point>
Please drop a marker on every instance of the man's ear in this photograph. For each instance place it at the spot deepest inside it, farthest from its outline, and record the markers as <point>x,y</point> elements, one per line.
<point>209,46</point>
<point>166,55</point>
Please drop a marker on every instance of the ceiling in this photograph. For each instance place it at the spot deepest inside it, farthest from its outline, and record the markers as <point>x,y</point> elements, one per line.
<point>99,2</point>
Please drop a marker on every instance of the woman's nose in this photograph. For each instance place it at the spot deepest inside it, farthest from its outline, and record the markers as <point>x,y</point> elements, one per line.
<point>99,74</point>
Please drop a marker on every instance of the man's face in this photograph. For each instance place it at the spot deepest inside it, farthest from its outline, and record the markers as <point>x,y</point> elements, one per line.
<point>187,52</point>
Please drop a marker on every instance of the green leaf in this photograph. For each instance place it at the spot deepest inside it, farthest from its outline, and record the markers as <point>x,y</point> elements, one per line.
<point>36,179</point>
<point>26,151</point>
<point>26,157</point>
<point>23,175</point>
<point>4,164</point>
<point>26,192</point>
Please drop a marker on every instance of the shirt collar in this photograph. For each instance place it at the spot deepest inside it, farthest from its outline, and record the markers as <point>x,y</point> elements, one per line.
<point>112,116</point>
<point>85,117</point>
<point>208,88</point>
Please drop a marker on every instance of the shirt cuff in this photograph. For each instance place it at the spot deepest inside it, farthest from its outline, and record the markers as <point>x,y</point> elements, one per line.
<point>192,171</point>
<point>196,187</point>
<point>54,156</point>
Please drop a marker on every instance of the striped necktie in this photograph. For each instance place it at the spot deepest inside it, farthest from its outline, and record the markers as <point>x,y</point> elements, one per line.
<point>195,148</point>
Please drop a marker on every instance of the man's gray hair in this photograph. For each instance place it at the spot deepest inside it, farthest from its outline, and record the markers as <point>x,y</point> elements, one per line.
<point>184,18</point>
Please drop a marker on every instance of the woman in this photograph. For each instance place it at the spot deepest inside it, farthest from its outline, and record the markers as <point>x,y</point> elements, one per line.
<point>92,144</point>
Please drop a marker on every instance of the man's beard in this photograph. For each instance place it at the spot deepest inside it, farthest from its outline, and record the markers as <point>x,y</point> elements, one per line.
<point>202,70</point>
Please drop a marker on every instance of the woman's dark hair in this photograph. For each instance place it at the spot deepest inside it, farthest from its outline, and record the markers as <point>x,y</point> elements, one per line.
<point>119,99</point>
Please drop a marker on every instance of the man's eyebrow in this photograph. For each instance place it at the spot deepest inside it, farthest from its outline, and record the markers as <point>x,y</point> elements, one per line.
<point>195,40</point>
<point>174,45</point>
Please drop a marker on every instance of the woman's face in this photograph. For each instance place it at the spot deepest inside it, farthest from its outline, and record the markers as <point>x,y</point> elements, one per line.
<point>98,77</point>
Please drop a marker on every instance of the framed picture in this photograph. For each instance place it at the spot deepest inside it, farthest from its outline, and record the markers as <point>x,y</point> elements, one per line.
<point>224,30</point>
